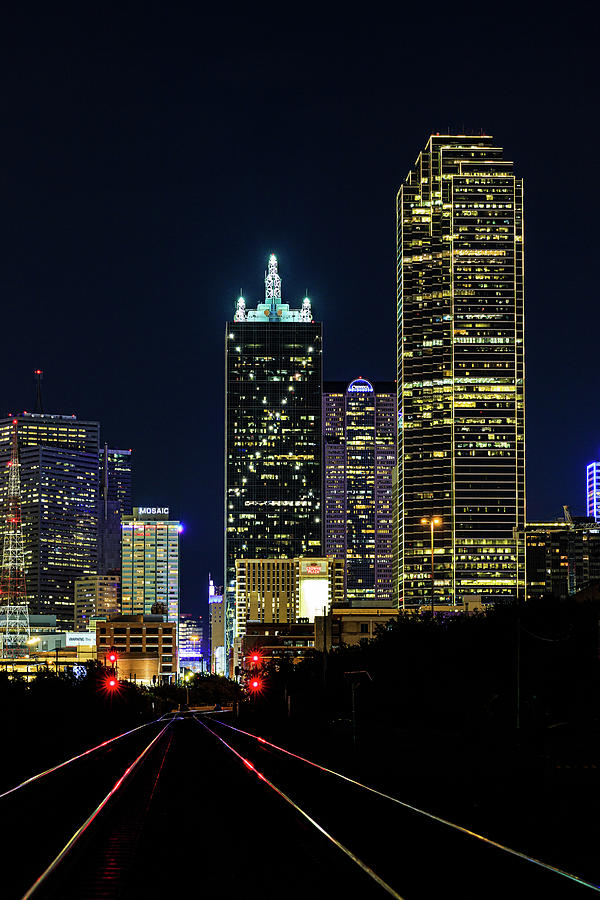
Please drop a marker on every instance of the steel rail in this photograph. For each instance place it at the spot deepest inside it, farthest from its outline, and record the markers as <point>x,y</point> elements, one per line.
<point>480,837</point>
<point>383,884</point>
<point>74,759</point>
<point>73,840</point>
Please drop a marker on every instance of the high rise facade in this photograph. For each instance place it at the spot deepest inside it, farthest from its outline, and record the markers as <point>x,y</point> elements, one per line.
<point>287,590</point>
<point>216,625</point>
<point>150,562</point>
<point>96,597</point>
<point>190,642</point>
<point>592,490</point>
<point>59,502</point>
<point>115,477</point>
<point>359,455</point>
<point>461,448</point>
<point>114,503</point>
<point>272,434</point>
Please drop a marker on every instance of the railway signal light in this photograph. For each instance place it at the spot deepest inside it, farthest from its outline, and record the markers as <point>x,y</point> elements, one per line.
<point>111,685</point>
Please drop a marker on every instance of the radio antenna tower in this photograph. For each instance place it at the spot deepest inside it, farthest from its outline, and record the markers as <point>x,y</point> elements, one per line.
<point>14,611</point>
<point>38,390</point>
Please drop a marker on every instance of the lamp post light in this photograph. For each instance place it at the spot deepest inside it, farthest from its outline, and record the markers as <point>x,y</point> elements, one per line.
<point>432,521</point>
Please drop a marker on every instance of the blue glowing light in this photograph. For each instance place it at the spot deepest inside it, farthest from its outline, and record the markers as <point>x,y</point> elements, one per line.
<point>593,490</point>
<point>360,386</point>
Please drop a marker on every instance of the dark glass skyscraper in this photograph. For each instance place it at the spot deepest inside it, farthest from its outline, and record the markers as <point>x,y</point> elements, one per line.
<point>114,502</point>
<point>272,433</point>
<point>359,455</point>
<point>461,372</point>
<point>59,499</point>
<point>115,477</point>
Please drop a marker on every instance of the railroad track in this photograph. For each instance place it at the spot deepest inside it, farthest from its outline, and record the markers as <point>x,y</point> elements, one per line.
<point>197,805</point>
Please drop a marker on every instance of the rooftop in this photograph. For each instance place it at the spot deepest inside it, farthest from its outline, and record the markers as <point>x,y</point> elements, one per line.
<point>273,309</point>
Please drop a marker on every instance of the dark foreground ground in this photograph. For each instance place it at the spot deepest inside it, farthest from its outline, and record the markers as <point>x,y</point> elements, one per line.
<point>193,817</point>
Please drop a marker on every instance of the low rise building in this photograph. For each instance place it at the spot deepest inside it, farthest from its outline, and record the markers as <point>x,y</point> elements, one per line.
<point>140,639</point>
<point>353,625</point>
<point>290,641</point>
<point>285,591</point>
<point>562,558</point>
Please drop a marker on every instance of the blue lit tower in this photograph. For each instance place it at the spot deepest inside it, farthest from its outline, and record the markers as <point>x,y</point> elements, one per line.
<point>593,490</point>
<point>272,434</point>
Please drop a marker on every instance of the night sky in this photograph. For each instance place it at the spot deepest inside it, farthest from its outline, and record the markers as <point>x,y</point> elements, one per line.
<point>154,154</point>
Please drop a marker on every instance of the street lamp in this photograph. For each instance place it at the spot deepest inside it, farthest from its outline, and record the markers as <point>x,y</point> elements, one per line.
<point>432,521</point>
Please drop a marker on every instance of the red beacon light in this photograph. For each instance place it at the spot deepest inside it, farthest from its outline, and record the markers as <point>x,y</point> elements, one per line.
<point>112,657</point>
<point>255,685</point>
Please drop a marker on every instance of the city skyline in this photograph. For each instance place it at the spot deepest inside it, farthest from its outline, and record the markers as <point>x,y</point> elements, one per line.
<point>302,590</point>
<point>137,215</point>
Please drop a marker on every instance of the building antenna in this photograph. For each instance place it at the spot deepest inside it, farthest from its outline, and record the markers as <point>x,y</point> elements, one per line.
<point>38,375</point>
<point>105,481</point>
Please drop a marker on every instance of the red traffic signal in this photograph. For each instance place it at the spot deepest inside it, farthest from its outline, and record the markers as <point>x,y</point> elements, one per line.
<point>255,685</point>
<point>255,658</point>
<point>112,657</point>
<point>112,682</point>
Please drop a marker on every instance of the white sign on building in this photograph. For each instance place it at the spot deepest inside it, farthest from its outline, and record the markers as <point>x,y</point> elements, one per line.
<point>80,638</point>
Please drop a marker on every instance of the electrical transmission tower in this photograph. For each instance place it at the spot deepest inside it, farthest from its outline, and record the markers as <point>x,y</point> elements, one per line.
<point>14,611</point>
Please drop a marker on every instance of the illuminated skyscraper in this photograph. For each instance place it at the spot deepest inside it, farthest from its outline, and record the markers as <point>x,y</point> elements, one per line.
<point>272,434</point>
<point>593,490</point>
<point>460,372</point>
<point>216,623</point>
<point>190,642</point>
<point>359,455</point>
<point>59,501</point>
<point>150,562</point>
<point>96,596</point>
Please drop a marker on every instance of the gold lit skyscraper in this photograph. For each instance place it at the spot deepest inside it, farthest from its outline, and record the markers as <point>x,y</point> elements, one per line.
<point>461,449</point>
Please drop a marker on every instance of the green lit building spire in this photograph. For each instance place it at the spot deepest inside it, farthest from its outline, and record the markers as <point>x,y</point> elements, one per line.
<point>273,309</point>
